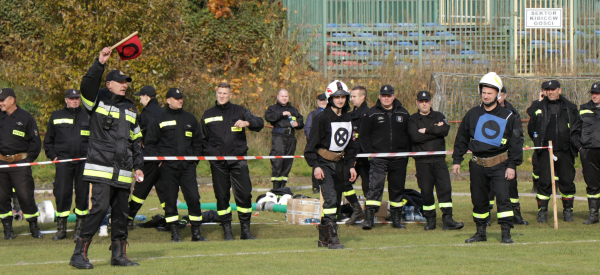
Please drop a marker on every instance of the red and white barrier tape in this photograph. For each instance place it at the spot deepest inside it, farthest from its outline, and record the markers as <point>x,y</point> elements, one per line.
<point>374,155</point>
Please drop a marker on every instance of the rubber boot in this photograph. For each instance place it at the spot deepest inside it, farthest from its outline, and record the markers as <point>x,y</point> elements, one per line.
<point>506,233</point>
<point>568,209</point>
<point>227,231</point>
<point>322,242</point>
<point>80,259</point>
<point>196,235</point>
<point>397,218</point>
<point>534,188</point>
<point>34,229</point>
<point>282,184</point>
<point>78,226</point>
<point>129,224</point>
<point>61,232</point>
<point>448,222</point>
<point>369,216</point>
<point>480,235</point>
<point>175,236</point>
<point>357,214</point>
<point>246,235</point>
<point>431,224</point>
<point>119,254</point>
<point>542,211</point>
<point>593,205</point>
<point>332,236</point>
<point>8,229</point>
<point>518,219</point>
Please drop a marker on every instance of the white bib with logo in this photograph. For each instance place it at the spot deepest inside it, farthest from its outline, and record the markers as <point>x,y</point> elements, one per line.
<point>340,135</point>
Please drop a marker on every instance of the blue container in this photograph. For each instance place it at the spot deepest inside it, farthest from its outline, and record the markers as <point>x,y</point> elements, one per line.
<point>140,218</point>
<point>409,213</point>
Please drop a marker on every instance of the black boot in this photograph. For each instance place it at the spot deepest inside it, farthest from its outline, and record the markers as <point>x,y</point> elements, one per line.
<point>480,235</point>
<point>506,233</point>
<point>357,214</point>
<point>534,188</point>
<point>196,236</point>
<point>78,226</point>
<point>282,184</point>
<point>34,229</point>
<point>80,259</point>
<point>369,216</point>
<point>246,235</point>
<point>8,229</point>
<point>332,236</point>
<point>227,231</point>
<point>397,218</point>
<point>450,224</point>
<point>431,223</point>
<point>568,209</point>
<point>323,242</point>
<point>593,205</point>
<point>61,232</point>
<point>518,219</point>
<point>175,236</point>
<point>129,224</point>
<point>542,211</point>
<point>119,255</point>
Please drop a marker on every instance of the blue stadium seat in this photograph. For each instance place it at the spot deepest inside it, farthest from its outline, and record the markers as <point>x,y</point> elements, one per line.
<point>332,25</point>
<point>556,33</point>
<point>376,63</point>
<point>582,51</point>
<point>362,53</point>
<point>453,43</point>
<point>413,52</point>
<point>579,32</point>
<point>468,52</point>
<point>377,43</point>
<point>406,25</point>
<point>355,25</point>
<point>414,34</point>
<point>429,43</point>
<point>597,32</point>
<point>431,24</point>
<point>382,25</point>
<point>340,34</point>
<point>392,34</point>
<point>538,42</point>
<point>389,52</point>
<point>443,33</point>
<point>480,62</point>
<point>365,34</point>
<point>404,43</point>
<point>524,32</point>
<point>592,60</point>
<point>562,41</point>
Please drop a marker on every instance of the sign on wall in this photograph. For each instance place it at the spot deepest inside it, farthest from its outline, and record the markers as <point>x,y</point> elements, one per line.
<point>543,18</point>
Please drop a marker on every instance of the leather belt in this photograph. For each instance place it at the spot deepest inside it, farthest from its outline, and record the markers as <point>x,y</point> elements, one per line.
<point>329,155</point>
<point>13,158</point>
<point>286,131</point>
<point>491,161</point>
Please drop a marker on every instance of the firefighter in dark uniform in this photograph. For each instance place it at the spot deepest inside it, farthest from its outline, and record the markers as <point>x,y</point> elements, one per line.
<point>552,120</point>
<point>494,136</point>
<point>330,150</point>
<point>114,151</point>
<point>428,130</point>
<point>19,143</point>
<point>285,119</point>
<point>534,160</point>
<point>358,97</point>
<point>67,137</point>
<point>224,134</point>
<point>384,129</point>
<point>586,138</point>
<point>177,133</point>
<point>321,105</point>
<point>151,171</point>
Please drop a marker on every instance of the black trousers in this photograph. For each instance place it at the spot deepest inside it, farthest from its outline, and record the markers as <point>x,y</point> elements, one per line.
<point>235,175</point>
<point>482,180</point>
<point>281,145</point>
<point>331,187</point>
<point>395,168</point>
<point>315,181</point>
<point>564,174</point>
<point>67,174</point>
<point>101,197</point>
<point>184,178</point>
<point>535,163</point>
<point>590,161</point>
<point>142,189</point>
<point>513,192</point>
<point>362,171</point>
<point>21,180</point>
<point>430,175</point>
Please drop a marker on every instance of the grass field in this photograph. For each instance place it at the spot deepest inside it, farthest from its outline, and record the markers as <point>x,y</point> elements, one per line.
<point>285,248</point>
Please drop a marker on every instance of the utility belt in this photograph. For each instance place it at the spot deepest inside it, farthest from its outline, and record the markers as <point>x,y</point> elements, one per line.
<point>491,161</point>
<point>329,155</point>
<point>286,131</point>
<point>13,158</point>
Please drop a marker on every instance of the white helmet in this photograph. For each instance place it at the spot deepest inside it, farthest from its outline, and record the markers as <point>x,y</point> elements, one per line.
<point>491,80</point>
<point>336,88</point>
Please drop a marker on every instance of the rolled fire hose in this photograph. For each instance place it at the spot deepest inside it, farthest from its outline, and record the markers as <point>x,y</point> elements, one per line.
<point>213,206</point>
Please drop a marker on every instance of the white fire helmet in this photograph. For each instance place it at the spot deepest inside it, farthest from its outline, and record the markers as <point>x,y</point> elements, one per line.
<point>491,80</point>
<point>336,88</point>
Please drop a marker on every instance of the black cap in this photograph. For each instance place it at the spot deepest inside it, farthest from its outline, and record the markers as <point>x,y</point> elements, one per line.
<point>503,90</point>
<point>552,85</point>
<point>146,90</point>
<point>423,95</point>
<point>118,76</point>
<point>174,93</point>
<point>6,92</point>
<point>322,97</point>
<point>386,90</point>
<point>71,93</point>
<point>595,88</point>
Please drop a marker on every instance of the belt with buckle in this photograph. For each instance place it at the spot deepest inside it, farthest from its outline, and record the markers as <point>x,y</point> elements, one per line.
<point>491,161</point>
<point>286,131</point>
<point>13,158</point>
<point>329,155</point>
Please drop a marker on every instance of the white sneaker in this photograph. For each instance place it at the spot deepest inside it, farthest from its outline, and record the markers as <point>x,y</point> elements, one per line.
<point>103,231</point>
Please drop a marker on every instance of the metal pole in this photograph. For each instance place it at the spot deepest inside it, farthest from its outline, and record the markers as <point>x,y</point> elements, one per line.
<point>553,184</point>
<point>419,28</point>
<point>324,39</point>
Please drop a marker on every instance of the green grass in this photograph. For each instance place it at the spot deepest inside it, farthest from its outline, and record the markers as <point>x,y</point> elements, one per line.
<point>284,248</point>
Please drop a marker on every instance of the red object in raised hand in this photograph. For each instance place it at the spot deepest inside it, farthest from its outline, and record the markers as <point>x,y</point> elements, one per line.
<point>130,49</point>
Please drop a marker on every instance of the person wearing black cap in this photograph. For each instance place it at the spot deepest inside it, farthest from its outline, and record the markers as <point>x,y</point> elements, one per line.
<point>67,137</point>
<point>19,143</point>
<point>176,133</point>
<point>224,134</point>
<point>151,172</point>
<point>428,130</point>
<point>384,129</point>
<point>586,138</point>
<point>114,151</point>
<point>552,121</point>
<point>321,105</point>
<point>285,119</point>
<point>330,150</point>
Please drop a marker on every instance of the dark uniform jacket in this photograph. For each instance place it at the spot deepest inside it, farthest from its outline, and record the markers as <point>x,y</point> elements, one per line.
<point>540,122</point>
<point>331,132</point>
<point>274,115</point>
<point>385,131</point>
<point>67,134</point>
<point>309,120</point>
<point>113,153</point>
<point>471,137</point>
<point>174,133</point>
<point>511,108</point>
<point>357,114</point>
<point>220,136</point>
<point>586,130</point>
<point>19,134</point>
<point>151,111</point>
<point>434,137</point>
